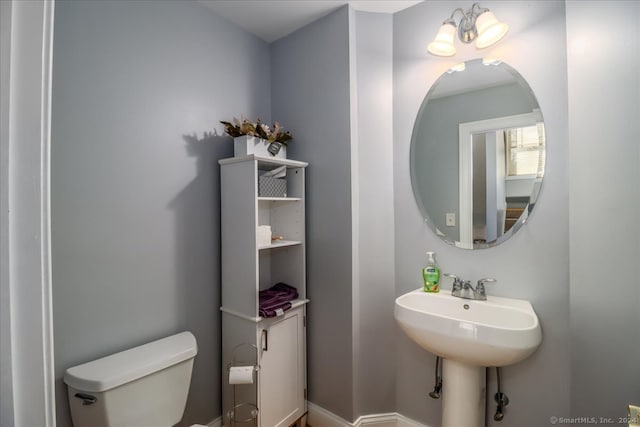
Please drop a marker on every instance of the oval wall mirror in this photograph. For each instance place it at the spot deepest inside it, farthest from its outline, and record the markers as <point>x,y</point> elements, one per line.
<point>478,154</point>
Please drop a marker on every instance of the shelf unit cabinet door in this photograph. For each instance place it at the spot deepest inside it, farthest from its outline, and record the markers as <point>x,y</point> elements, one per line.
<point>282,370</point>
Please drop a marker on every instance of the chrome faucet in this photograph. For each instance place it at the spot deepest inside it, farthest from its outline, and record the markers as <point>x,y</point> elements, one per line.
<point>463,289</point>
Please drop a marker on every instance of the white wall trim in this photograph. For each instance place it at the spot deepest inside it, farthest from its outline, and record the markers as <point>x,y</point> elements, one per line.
<point>320,417</point>
<point>379,420</point>
<point>26,224</point>
<point>6,376</point>
<point>45,214</point>
<point>355,204</point>
<point>407,422</point>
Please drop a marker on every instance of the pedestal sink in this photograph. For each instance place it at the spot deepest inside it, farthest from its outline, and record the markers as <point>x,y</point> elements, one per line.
<point>469,335</point>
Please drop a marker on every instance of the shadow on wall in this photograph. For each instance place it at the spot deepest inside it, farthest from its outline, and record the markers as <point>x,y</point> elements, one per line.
<point>197,243</point>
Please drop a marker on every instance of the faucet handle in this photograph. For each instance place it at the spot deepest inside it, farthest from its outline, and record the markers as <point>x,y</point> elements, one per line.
<point>480,287</point>
<point>457,282</point>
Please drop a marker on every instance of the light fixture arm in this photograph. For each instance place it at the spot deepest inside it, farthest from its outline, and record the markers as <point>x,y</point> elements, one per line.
<point>453,14</point>
<point>480,9</point>
<point>467,31</point>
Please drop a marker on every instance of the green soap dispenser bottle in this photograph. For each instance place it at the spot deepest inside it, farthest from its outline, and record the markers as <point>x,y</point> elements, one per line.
<point>431,274</point>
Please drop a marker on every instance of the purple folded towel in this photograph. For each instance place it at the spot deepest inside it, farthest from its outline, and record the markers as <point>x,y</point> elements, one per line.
<point>272,311</point>
<point>276,297</point>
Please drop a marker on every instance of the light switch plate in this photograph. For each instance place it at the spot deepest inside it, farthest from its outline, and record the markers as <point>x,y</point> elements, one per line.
<point>451,219</point>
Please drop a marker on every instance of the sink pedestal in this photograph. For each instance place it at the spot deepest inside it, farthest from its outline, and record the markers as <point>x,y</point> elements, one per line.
<point>463,394</point>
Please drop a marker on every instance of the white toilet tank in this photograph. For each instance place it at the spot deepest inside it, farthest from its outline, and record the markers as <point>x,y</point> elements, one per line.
<point>146,386</point>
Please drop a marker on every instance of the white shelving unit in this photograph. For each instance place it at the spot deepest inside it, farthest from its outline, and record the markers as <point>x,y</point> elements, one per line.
<point>277,345</point>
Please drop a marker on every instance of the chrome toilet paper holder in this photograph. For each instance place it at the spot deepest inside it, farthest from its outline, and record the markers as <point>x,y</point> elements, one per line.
<point>250,408</point>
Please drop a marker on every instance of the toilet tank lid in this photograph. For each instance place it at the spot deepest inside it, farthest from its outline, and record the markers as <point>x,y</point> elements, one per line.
<point>129,365</point>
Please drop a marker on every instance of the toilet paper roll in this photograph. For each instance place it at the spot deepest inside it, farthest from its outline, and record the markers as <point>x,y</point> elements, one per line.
<point>241,375</point>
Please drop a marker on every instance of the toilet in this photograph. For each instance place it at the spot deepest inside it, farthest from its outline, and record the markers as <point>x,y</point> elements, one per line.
<point>146,386</point>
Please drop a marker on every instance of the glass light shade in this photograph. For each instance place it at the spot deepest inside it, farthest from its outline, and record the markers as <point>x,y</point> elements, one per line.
<point>456,68</point>
<point>491,61</point>
<point>490,30</point>
<point>442,45</point>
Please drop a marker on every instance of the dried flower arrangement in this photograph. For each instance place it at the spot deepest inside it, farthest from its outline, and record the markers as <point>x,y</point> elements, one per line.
<point>257,129</point>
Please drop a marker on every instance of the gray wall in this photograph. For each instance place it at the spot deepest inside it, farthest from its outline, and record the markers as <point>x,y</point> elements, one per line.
<point>534,264</point>
<point>311,96</point>
<point>135,202</point>
<point>344,130</point>
<point>374,326</point>
<point>604,90</point>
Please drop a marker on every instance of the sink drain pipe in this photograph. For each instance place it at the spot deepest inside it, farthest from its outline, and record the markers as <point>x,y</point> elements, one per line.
<point>501,399</point>
<point>435,394</point>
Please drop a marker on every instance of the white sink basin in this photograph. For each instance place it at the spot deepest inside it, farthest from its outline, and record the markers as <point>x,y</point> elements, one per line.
<point>496,332</point>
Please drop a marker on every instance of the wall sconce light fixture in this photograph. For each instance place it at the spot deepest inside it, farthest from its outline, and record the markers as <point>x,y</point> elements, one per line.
<point>477,24</point>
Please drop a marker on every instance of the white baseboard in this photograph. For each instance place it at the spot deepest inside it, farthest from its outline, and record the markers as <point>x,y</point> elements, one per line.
<point>408,422</point>
<point>377,420</point>
<point>320,417</point>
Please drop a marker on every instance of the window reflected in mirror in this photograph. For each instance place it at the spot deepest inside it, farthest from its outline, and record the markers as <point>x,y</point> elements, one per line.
<point>526,151</point>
